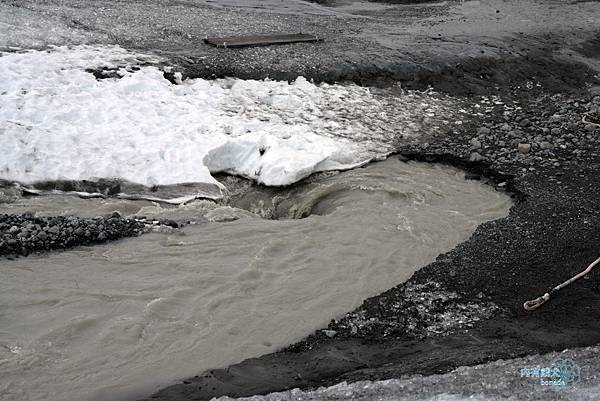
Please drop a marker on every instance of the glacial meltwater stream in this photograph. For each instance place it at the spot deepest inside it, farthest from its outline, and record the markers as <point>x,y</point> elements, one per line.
<point>118,321</point>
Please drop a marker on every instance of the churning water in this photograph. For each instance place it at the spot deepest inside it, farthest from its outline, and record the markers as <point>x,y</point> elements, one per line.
<point>117,321</point>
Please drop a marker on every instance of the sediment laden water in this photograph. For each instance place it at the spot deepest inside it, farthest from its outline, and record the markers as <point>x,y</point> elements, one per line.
<point>118,321</point>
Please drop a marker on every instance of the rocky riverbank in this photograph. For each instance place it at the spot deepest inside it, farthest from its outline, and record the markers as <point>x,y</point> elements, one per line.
<point>23,234</point>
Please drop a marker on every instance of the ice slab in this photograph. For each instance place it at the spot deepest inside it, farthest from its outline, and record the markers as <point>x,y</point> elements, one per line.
<point>58,122</point>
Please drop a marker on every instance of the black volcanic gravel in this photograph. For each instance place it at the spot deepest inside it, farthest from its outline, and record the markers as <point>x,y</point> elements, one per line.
<point>25,233</point>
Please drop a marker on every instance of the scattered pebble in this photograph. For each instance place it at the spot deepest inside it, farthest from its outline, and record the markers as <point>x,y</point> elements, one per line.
<point>524,148</point>
<point>329,333</point>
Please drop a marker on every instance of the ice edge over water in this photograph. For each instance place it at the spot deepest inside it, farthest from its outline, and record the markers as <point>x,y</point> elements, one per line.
<point>58,122</point>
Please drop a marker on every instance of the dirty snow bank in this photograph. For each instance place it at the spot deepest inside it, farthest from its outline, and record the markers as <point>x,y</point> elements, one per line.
<point>503,380</point>
<point>58,122</point>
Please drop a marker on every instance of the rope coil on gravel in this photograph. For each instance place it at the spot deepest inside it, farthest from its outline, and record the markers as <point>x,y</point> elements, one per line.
<point>536,303</point>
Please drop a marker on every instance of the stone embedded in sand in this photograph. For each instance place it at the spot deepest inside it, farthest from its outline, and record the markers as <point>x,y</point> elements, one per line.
<point>329,333</point>
<point>475,143</point>
<point>476,157</point>
<point>524,148</point>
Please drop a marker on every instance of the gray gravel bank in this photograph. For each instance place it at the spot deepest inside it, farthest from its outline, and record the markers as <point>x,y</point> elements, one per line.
<point>24,234</point>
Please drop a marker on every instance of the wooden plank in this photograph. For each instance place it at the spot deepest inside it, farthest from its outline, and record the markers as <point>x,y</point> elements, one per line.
<point>261,40</point>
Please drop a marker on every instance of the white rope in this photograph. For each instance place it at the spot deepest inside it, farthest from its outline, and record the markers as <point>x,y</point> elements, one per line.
<point>536,303</point>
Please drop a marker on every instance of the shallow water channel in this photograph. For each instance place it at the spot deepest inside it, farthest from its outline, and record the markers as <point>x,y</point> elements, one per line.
<point>118,321</point>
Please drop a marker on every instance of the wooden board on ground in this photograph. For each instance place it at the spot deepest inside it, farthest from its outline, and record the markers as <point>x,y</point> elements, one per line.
<point>261,40</point>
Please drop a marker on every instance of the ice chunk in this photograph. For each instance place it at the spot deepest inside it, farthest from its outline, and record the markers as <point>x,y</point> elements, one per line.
<point>274,161</point>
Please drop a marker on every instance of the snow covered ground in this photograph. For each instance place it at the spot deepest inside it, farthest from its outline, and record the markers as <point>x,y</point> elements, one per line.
<point>58,122</point>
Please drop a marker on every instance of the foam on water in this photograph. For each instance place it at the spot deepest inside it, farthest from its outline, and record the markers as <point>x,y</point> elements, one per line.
<point>58,122</point>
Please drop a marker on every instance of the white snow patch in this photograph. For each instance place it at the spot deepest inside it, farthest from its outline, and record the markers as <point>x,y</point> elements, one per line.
<point>58,122</point>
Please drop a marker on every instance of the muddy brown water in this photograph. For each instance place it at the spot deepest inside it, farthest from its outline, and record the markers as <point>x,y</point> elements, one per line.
<point>120,320</point>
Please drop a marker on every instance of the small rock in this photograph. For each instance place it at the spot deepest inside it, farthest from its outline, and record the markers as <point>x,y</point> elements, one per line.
<point>556,118</point>
<point>472,176</point>
<point>329,333</point>
<point>170,223</point>
<point>475,144</point>
<point>476,157</point>
<point>524,148</point>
